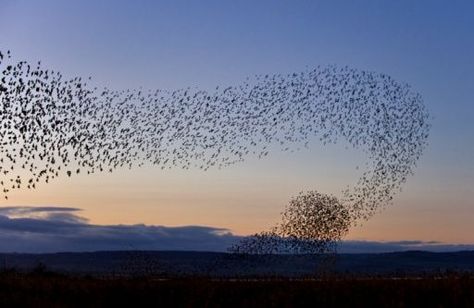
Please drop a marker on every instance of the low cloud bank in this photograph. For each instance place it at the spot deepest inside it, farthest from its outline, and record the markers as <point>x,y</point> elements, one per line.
<point>52,229</point>
<point>55,229</point>
<point>395,246</point>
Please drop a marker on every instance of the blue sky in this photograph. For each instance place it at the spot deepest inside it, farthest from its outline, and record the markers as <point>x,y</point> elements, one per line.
<point>174,44</point>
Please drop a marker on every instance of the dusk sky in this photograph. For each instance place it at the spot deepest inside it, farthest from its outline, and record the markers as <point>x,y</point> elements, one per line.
<point>204,44</point>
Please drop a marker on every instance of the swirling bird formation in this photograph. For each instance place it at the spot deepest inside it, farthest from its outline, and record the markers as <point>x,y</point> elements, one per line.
<point>52,126</point>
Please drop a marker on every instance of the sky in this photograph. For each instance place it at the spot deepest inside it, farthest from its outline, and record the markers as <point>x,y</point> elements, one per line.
<point>175,44</point>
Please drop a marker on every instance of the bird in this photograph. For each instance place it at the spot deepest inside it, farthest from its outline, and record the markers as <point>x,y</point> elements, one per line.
<point>49,122</point>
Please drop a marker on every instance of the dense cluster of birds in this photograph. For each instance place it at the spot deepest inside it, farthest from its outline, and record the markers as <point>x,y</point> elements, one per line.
<point>52,126</point>
<point>311,223</point>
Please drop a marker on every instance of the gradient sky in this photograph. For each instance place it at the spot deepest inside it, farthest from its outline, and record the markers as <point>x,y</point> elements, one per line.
<point>174,44</point>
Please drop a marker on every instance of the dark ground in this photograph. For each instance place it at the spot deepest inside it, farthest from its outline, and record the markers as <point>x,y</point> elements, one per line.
<point>203,279</point>
<point>43,289</point>
<point>219,265</point>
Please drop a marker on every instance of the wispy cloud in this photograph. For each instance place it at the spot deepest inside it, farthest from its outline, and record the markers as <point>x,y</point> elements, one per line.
<point>53,229</point>
<point>53,213</point>
<point>26,210</point>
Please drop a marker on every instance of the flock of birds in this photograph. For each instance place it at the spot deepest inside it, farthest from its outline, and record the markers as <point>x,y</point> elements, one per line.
<point>312,223</point>
<point>51,126</point>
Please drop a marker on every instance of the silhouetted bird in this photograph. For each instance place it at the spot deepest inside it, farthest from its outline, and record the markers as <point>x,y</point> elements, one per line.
<point>49,122</point>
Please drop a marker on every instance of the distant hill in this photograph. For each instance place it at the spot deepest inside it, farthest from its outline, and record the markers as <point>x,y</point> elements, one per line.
<point>176,263</point>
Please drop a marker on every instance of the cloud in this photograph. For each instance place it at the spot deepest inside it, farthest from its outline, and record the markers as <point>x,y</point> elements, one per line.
<point>43,212</point>
<point>349,246</point>
<point>25,210</point>
<point>55,229</point>
<point>52,229</point>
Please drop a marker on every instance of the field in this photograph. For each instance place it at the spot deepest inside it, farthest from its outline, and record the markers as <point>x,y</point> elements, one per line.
<point>45,289</point>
